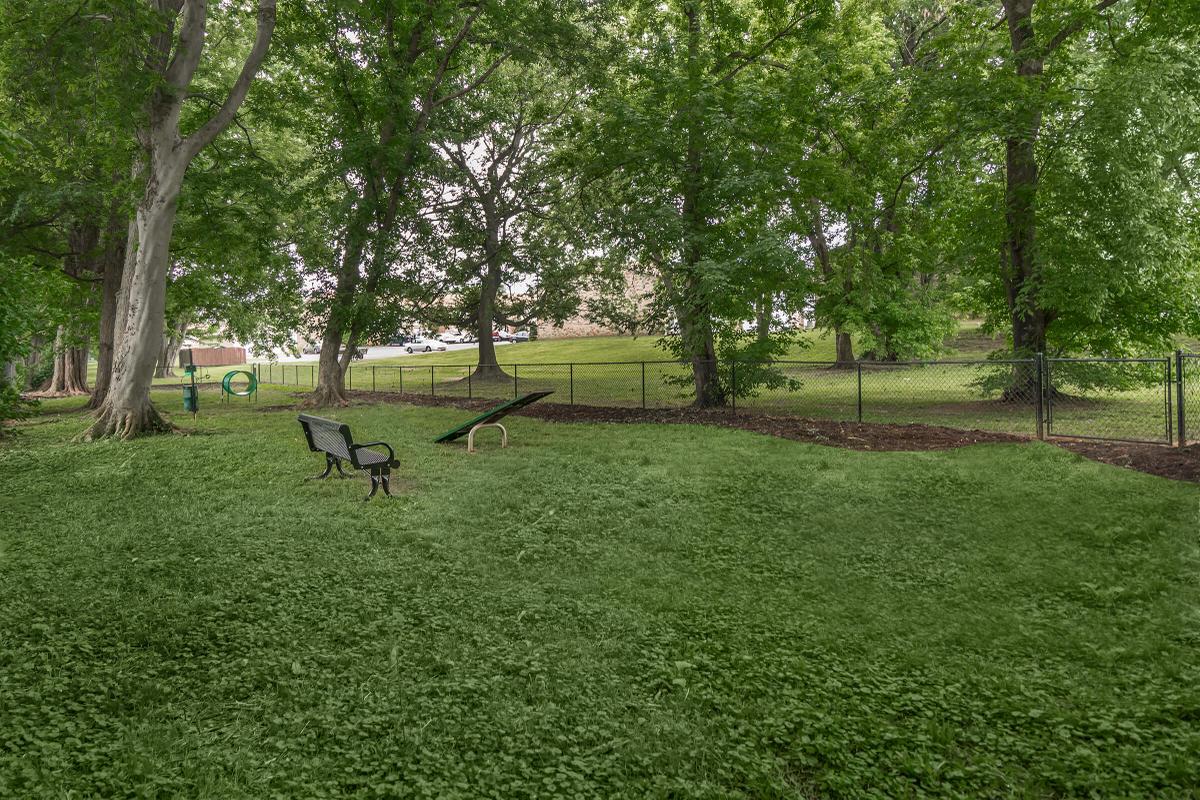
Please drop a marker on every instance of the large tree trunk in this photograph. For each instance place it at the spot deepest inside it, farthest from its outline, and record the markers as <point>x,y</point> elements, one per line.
<point>695,318</point>
<point>844,348</point>
<point>331,376</point>
<point>127,411</point>
<point>1023,273</point>
<point>487,367</point>
<point>113,259</point>
<point>70,368</point>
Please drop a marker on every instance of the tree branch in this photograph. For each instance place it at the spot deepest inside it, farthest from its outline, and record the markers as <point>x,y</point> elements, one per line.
<point>220,120</point>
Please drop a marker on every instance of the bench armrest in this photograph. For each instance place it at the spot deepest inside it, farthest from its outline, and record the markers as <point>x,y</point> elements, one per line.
<point>391,452</point>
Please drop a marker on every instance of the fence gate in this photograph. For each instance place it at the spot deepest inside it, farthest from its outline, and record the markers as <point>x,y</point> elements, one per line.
<point>1115,399</point>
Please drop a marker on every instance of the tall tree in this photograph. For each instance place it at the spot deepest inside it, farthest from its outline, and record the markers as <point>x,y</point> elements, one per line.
<point>685,118</point>
<point>174,56</point>
<point>504,207</point>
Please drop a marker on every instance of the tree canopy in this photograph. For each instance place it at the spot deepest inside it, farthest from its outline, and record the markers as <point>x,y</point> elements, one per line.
<point>341,171</point>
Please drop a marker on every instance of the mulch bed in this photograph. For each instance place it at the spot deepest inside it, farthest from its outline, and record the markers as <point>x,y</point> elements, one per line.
<point>1180,463</point>
<point>1168,462</point>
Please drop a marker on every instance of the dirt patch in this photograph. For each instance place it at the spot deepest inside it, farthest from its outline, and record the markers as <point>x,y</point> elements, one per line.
<point>1168,462</point>
<point>855,436</point>
<point>1180,463</point>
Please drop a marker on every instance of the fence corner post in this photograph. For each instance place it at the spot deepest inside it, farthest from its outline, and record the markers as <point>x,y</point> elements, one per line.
<point>1039,387</point>
<point>643,384</point>
<point>571,380</point>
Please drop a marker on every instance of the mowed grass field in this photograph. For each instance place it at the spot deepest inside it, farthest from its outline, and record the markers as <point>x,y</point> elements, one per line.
<point>595,611</point>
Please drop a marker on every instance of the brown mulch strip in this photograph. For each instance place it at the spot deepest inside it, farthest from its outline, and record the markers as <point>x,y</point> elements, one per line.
<point>1168,462</point>
<point>1179,463</point>
<point>850,435</point>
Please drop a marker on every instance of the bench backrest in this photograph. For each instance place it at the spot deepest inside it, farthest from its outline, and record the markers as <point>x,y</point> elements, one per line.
<point>327,436</point>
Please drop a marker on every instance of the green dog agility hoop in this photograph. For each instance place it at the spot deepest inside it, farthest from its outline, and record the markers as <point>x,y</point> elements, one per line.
<point>251,385</point>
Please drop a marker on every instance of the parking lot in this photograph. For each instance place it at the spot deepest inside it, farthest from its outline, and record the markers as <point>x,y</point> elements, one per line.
<point>385,351</point>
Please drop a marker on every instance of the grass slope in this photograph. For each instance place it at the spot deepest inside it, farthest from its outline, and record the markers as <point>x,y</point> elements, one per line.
<point>596,611</point>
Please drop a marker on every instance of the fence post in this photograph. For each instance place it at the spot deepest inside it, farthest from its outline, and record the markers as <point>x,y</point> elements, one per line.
<point>1170,421</point>
<point>312,375</point>
<point>431,393</point>
<point>643,384</point>
<point>1179,398</point>
<point>401,379</point>
<point>514,381</point>
<point>469,395</point>
<point>571,380</point>
<point>733,384</point>
<point>372,377</point>
<point>350,375</point>
<point>858,370</point>
<point>1040,412</point>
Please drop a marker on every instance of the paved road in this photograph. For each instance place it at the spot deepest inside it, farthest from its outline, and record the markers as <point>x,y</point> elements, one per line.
<point>372,353</point>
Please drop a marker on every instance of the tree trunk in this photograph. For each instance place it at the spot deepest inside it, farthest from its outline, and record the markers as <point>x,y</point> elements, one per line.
<point>845,349</point>
<point>127,411</point>
<point>331,378</point>
<point>116,242</point>
<point>175,52</point>
<point>695,319</point>
<point>487,367</point>
<point>1023,274</point>
<point>172,341</point>
<point>762,320</point>
<point>70,368</point>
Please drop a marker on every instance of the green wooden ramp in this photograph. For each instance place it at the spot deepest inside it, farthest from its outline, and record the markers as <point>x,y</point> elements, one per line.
<point>491,416</point>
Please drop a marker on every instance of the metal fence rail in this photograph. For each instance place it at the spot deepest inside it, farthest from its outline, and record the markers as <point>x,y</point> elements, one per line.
<point>1124,399</point>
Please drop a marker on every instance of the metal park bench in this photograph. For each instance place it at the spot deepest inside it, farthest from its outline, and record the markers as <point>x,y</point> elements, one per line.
<point>488,419</point>
<point>334,440</point>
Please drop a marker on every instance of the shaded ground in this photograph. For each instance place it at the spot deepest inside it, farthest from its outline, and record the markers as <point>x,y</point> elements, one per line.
<point>1167,462</point>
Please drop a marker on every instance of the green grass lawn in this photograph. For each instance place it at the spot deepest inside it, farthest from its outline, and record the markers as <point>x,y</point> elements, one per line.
<point>596,611</point>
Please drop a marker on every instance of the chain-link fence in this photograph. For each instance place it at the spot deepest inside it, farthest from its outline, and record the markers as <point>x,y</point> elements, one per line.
<point>1141,399</point>
<point>1104,398</point>
<point>1187,397</point>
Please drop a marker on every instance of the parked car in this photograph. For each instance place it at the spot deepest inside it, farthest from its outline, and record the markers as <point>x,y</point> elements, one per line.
<point>423,345</point>
<point>469,338</point>
<point>451,337</point>
<point>313,350</point>
<point>501,336</point>
<point>521,336</point>
<point>359,353</point>
<point>399,341</point>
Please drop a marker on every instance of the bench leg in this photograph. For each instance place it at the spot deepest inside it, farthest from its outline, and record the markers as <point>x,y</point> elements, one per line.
<point>342,474</point>
<point>385,478</point>
<point>329,461</point>
<point>374,487</point>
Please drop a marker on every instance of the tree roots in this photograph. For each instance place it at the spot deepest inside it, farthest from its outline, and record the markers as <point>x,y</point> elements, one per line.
<point>124,423</point>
